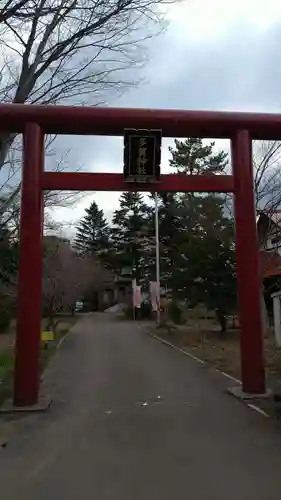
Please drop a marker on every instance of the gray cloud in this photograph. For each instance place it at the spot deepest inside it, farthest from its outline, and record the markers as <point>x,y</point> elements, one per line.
<point>238,70</point>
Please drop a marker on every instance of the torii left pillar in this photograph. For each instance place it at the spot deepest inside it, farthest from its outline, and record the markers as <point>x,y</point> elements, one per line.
<point>27,378</point>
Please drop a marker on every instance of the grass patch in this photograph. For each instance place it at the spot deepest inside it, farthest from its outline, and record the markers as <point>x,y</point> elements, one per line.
<point>47,351</point>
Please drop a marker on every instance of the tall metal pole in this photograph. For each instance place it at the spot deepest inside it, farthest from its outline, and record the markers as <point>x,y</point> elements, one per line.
<point>157,257</point>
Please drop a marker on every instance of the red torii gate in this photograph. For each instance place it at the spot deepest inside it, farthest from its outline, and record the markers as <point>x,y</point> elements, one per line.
<point>36,121</point>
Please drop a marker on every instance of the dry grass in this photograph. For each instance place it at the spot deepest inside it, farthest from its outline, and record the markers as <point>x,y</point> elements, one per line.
<point>7,339</point>
<point>223,352</point>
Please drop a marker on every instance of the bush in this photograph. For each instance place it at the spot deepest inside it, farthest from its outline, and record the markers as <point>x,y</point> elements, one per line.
<point>5,313</point>
<point>143,313</point>
<point>128,311</point>
<point>146,310</point>
<point>175,313</point>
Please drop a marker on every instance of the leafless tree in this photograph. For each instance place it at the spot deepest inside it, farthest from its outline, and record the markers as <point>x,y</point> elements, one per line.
<point>267,174</point>
<point>74,50</point>
<point>11,9</point>
<point>68,277</point>
<point>10,187</point>
<point>267,185</point>
<point>71,51</point>
<point>65,277</point>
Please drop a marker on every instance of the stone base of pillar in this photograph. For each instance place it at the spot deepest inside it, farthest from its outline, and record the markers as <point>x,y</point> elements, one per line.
<point>238,393</point>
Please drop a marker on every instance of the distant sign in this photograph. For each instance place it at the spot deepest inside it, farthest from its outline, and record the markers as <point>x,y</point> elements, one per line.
<point>47,336</point>
<point>142,155</point>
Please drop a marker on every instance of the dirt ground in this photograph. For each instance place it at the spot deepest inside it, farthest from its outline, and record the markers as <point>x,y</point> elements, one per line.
<point>203,339</point>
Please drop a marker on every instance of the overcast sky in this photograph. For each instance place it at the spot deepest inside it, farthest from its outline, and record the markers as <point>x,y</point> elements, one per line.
<point>216,55</point>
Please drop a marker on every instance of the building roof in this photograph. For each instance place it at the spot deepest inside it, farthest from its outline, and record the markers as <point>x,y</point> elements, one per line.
<point>270,262</point>
<point>273,215</point>
<point>53,238</point>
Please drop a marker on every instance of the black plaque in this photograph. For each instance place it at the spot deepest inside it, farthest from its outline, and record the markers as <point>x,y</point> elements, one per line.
<point>142,155</point>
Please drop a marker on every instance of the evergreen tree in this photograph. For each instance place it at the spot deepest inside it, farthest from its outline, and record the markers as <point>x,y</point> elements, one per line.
<point>8,275</point>
<point>129,225</point>
<point>92,232</point>
<point>196,238</point>
<point>169,231</point>
<point>8,257</point>
<point>205,268</point>
<point>192,157</point>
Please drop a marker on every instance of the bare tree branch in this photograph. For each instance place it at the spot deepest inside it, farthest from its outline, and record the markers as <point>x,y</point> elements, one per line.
<point>68,51</point>
<point>267,175</point>
<point>12,9</point>
<point>10,185</point>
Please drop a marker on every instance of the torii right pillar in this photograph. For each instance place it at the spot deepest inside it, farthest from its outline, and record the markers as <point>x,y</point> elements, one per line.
<point>248,268</point>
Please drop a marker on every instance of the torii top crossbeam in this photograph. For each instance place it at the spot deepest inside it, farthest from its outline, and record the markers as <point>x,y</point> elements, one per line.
<point>112,121</point>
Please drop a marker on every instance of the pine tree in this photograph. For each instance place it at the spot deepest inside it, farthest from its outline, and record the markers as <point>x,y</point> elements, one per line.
<point>197,237</point>
<point>192,157</point>
<point>92,232</point>
<point>129,225</point>
<point>169,229</point>
<point>205,267</point>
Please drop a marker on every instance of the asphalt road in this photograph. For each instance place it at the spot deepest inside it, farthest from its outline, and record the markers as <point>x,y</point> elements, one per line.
<point>132,419</point>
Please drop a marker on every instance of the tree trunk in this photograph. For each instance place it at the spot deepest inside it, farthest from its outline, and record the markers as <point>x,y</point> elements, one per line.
<point>265,321</point>
<point>222,320</point>
<point>51,323</point>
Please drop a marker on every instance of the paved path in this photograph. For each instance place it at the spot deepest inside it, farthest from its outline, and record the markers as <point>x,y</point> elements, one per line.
<point>109,436</point>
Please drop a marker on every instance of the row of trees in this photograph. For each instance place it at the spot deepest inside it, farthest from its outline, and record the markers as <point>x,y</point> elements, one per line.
<point>67,277</point>
<point>197,248</point>
<point>196,235</point>
<point>62,52</point>
<point>197,242</point>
